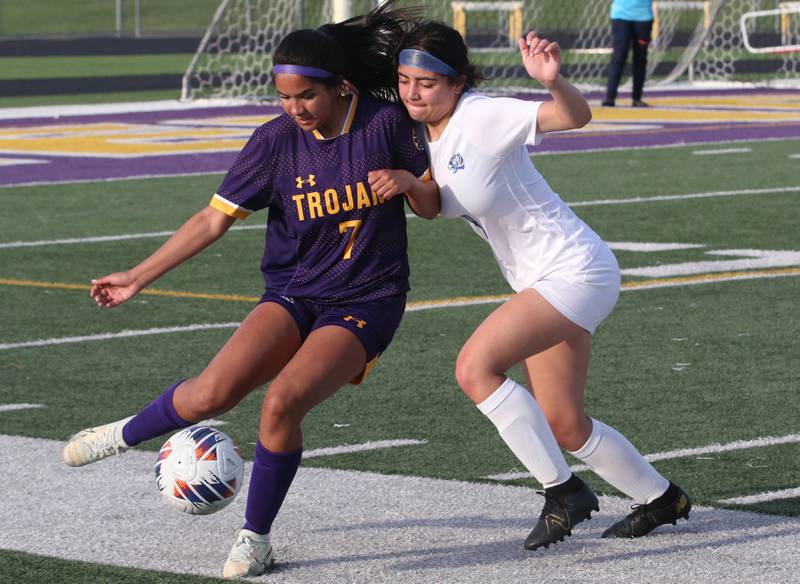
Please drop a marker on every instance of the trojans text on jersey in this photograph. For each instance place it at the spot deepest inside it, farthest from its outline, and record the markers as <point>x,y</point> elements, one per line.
<point>316,204</point>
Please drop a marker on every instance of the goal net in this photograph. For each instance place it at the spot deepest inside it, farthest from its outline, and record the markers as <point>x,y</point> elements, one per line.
<point>720,41</point>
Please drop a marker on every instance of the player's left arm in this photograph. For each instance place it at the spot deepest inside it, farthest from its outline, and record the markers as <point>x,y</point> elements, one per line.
<point>422,194</point>
<point>568,109</point>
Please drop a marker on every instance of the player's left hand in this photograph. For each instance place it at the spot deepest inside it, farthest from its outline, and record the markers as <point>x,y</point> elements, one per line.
<point>389,183</point>
<point>541,58</point>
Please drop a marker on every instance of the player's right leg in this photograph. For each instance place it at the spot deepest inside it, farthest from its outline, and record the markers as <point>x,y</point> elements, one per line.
<point>558,378</point>
<point>255,353</point>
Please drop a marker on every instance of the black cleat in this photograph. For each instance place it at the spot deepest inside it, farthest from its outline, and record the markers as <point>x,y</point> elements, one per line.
<point>639,103</point>
<point>560,514</point>
<point>607,103</point>
<point>645,518</point>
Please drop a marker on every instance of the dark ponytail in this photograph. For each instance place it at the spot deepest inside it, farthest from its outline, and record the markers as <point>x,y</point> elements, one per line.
<point>446,44</point>
<point>361,49</point>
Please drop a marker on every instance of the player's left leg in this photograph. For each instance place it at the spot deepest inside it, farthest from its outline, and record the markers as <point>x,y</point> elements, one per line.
<point>329,358</point>
<point>641,44</point>
<point>499,343</point>
<point>558,378</point>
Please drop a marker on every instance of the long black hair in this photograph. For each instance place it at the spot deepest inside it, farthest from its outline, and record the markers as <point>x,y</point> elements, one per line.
<point>446,44</point>
<point>361,49</point>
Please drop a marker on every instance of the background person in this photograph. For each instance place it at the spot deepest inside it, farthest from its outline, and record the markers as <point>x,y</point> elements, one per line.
<point>631,26</point>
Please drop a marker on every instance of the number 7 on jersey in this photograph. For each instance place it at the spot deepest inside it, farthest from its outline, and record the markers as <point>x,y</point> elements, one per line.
<point>355,224</point>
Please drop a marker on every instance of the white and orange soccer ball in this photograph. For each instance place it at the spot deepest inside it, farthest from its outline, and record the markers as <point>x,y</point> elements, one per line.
<point>199,470</point>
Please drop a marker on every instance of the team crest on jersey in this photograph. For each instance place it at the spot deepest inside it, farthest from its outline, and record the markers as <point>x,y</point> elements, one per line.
<point>456,163</point>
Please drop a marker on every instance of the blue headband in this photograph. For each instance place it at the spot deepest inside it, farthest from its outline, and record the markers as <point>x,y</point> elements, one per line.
<point>304,71</point>
<point>423,60</point>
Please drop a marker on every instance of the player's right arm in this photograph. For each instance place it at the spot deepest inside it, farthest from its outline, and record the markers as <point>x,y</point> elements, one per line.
<point>199,231</point>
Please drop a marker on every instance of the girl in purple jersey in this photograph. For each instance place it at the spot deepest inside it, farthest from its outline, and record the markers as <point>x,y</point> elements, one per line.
<point>565,278</point>
<point>335,263</point>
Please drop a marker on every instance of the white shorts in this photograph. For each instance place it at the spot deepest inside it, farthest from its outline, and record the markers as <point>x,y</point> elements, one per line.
<point>586,298</point>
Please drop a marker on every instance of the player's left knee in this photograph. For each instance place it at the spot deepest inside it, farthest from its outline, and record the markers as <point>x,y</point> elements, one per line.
<point>280,411</point>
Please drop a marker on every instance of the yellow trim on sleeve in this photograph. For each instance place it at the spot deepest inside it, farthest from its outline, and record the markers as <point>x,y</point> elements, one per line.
<point>221,204</point>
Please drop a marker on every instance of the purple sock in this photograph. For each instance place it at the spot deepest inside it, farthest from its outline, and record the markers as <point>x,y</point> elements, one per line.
<point>159,417</point>
<point>272,474</point>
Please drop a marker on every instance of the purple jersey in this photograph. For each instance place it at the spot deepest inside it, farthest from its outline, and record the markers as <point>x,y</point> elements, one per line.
<point>329,238</point>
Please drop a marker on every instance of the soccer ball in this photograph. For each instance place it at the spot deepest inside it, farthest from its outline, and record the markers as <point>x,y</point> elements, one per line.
<point>199,470</point>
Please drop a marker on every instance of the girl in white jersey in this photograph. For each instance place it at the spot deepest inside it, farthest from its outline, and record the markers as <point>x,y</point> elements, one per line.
<point>565,277</point>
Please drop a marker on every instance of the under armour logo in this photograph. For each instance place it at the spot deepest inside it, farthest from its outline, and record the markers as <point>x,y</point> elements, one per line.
<point>310,181</point>
<point>359,323</point>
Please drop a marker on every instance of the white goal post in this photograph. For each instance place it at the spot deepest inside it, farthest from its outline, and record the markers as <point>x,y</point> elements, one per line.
<point>719,41</point>
<point>786,12</point>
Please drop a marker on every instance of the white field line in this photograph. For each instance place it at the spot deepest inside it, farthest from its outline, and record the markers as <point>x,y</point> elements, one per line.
<point>123,237</point>
<point>15,407</point>
<point>119,335</point>
<point>15,161</point>
<point>656,146</point>
<point>104,238</point>
<point>794,156</point>
<point>754,260</point>
<point>771,191</point>
<point>58,111</point>
<point>597,202</point>
<point>44,183</point>
<point>451,303</point>
<point>651,247</point>
<point>681,453</point>
<point>763,497</point>
<point>722,151</point>
<point>350,448</point>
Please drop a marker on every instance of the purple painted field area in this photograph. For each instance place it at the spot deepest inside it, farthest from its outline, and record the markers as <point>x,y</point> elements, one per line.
<point>20,165</point>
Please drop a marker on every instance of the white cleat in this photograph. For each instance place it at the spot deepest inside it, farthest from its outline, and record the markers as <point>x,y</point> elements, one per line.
<point>251,555</point>
<point>94,444</point>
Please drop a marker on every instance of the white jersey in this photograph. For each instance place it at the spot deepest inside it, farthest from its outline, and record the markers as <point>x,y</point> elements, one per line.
<point>485,175</point>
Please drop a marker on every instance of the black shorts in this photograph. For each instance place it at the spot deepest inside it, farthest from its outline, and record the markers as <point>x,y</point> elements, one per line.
<point>373,323</point>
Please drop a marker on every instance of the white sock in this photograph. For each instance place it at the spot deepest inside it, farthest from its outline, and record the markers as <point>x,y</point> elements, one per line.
<point>618,462</point>
<point>525,430</point>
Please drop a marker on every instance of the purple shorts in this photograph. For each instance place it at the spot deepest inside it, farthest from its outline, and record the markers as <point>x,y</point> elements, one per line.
<point>373,323</point>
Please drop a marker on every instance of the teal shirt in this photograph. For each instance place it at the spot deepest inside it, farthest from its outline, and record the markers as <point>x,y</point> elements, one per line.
<point>639,10</point>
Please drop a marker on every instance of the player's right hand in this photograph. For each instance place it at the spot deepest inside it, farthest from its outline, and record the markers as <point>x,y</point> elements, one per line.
<point>114,289</point>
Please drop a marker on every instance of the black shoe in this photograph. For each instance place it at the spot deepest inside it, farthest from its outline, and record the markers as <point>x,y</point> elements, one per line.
<point>668,508</point>
<point>607,103</point>
<point>560,514</point>
<point>639,103</point>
